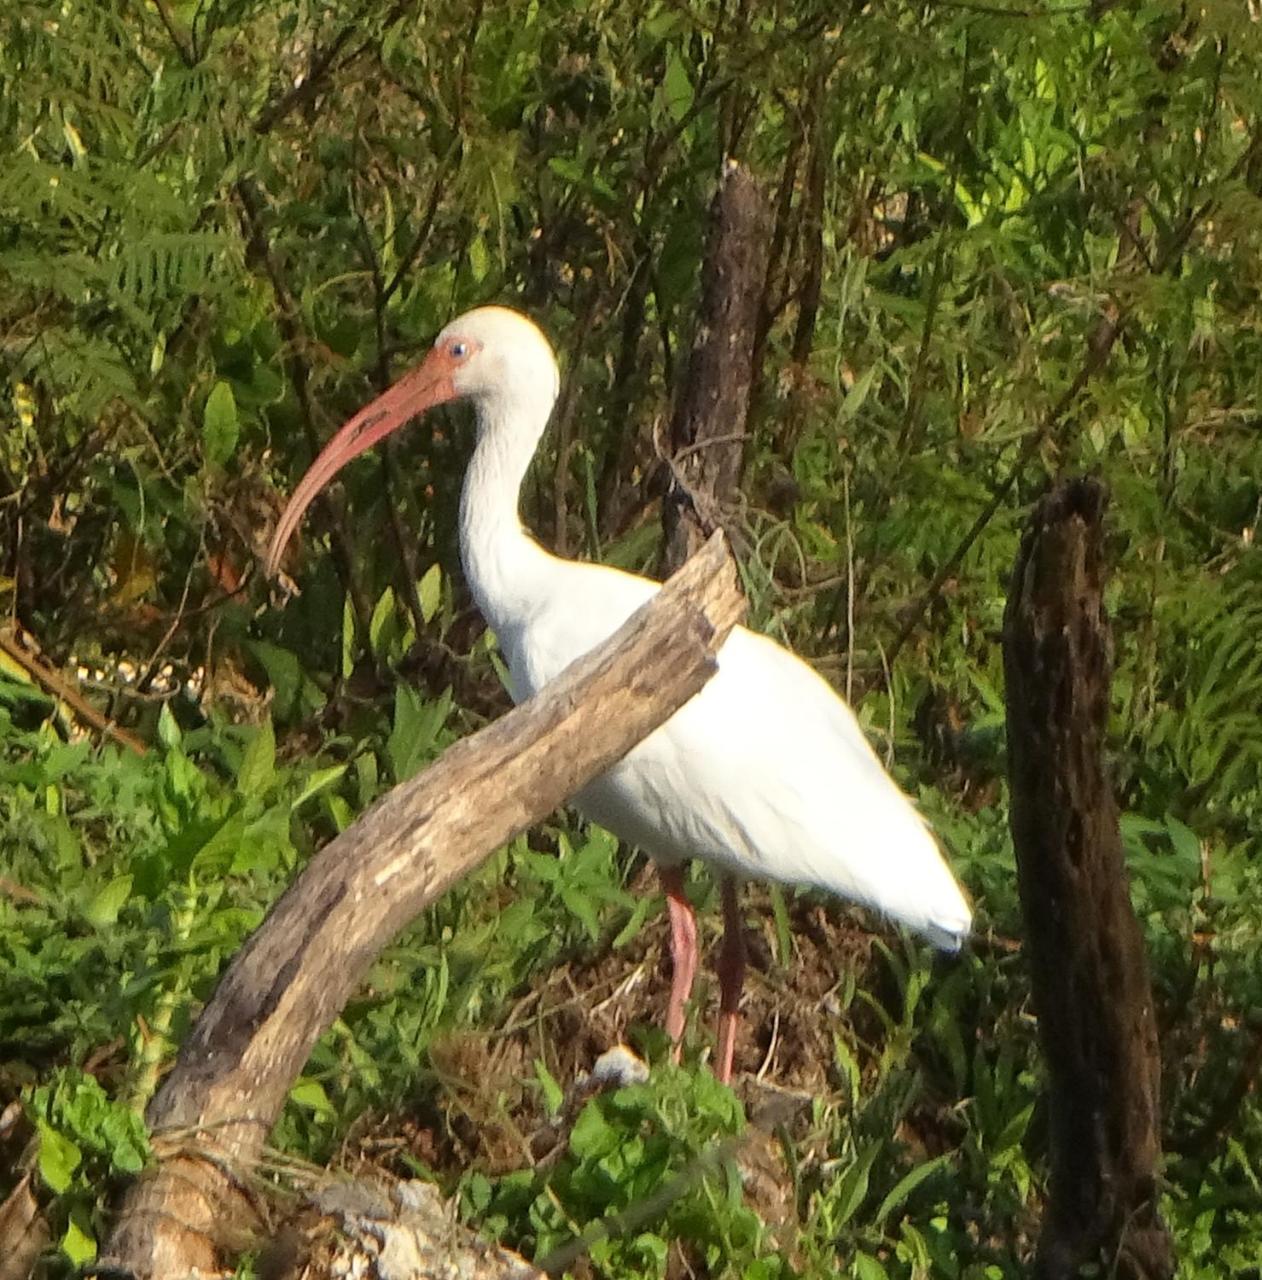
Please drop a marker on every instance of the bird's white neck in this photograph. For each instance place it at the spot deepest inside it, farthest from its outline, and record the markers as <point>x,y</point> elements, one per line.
<point>503,564</point>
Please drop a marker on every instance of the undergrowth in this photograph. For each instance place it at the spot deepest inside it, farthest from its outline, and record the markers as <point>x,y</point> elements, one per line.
<point>908,1139</point>
<point>222,226</point>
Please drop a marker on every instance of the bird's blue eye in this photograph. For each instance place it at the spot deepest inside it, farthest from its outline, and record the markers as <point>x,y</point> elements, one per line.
<point>459,350</point>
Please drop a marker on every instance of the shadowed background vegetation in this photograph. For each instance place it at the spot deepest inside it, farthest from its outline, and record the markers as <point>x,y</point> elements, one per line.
<point>1005,245</point>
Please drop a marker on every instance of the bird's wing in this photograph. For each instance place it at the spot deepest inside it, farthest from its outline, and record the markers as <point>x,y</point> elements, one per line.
<point>766,771</point>
<point>769,768</point>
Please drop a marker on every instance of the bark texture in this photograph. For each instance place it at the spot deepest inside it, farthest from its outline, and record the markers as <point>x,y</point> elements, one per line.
<point>24,1235</point>
<point>707,434</point>
<point>1089,971</point>
<point>215,1108</point>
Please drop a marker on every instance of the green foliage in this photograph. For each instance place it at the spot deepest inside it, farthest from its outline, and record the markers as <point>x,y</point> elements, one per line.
<point>639,1144</point>
<point>84,1139</point>
<point>222,226</point>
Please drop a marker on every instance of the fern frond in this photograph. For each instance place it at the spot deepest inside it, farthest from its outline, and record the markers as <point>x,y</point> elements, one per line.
<point>166,265</point>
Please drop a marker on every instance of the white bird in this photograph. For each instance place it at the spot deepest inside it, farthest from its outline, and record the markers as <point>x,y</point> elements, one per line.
<point>764,773</point>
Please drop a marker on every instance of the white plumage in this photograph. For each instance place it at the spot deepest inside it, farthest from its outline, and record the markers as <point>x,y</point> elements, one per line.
<point>764,773</point>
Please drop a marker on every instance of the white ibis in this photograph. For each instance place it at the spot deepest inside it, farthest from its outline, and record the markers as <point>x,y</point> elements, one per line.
<point>765,773</point>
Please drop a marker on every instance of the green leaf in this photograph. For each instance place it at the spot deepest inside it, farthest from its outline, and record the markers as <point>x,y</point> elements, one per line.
<point>1011,1135</point>
<point>382,626</point>
<point>124,1130</point>
<point>78,1243</point>
<point>295,693</point>
<point>168,730</point>
<point>317,782</point>
<point>501,670</point>
<point>905,1186</point>
<point>220,427</point>
<point>258,765</point>
<point>478,259</point>
<point>348,637</point>
<point>223,844</point>
<point>852,1190</point>
<point>858,393</point>
<point>764,1269</point>
<point>430,591</point>
<point>1185,841</point>
<point>58,1158</point>
<point>784,929</point>
<point>866,1267</point>
<point>339,811</point>
<point>593,1136</point>
<point>310,1094</point>
<point>367,777</point>
<point>553,1094</point>
<point>415,729</point>
<point>263,846</point>
<point>477,1192</point>
<point>676,86</point>
<point>581,907</point>
<point>639,913</point>
<point>102,911</point>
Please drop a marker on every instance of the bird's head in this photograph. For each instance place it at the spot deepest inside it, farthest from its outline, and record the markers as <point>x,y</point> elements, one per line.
<point>494,350</point>
<point>487,355</point>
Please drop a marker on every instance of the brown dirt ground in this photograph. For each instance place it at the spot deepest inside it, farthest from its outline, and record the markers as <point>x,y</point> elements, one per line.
<point>488,1112</point>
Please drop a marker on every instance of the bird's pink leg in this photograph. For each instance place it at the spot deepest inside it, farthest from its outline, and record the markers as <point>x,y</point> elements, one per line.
<point>731,969</point>
<point>683,951</point>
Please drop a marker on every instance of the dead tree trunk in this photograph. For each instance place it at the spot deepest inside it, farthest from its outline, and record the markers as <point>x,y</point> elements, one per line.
<point>216,1107</point>
<point>1089,971</point>
<point>707,434</point>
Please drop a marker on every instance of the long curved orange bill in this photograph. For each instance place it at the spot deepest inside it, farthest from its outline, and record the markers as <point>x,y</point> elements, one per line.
<point>429,384</point>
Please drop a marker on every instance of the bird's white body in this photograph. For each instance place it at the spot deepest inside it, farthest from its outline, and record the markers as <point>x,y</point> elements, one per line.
<point>765,772</point>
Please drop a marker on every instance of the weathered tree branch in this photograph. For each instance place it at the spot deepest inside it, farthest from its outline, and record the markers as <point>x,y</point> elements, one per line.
<point>1088,968</point>
<point>23,1231</point>
<point>707,434</point>
<point>62,689</point>
<point>289,982</point>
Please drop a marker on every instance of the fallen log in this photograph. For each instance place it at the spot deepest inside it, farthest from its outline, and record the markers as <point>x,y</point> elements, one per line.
<point>213,1112</point>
